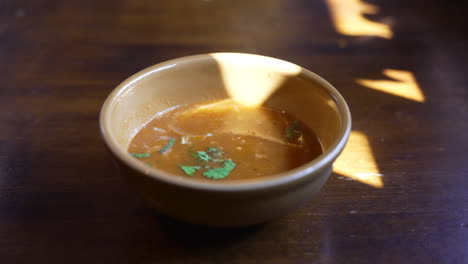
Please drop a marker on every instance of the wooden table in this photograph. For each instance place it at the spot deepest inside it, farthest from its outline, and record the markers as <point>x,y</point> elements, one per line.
<point>400,194</point>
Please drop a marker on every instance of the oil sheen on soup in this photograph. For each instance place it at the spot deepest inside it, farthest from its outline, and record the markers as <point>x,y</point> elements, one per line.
<point>223,140</point>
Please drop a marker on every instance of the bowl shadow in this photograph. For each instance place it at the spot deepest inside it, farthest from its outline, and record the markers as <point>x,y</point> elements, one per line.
<point>196,237</point>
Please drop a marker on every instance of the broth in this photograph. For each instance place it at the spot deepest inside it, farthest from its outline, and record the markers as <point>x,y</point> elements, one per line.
<point>224,140</point>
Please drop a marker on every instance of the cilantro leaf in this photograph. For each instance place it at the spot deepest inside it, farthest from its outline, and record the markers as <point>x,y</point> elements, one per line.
<point>220,173</point>
<point>229,165</point>
<point>216,173</point>
<point>167,146</point>
<point>202,155</point>
<point>292,131</point>
<point>140,155</point>
<point>213,149</point>
<point>190,170</point>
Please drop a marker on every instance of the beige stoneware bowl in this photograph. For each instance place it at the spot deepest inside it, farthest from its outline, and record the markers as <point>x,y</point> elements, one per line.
<point>250,80</point>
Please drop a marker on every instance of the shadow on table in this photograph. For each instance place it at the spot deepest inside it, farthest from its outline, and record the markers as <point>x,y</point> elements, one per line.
<point>195,237</point>
<point>159,239</point>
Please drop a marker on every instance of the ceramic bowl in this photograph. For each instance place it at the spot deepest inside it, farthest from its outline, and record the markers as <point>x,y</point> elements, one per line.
<point>250,80</point>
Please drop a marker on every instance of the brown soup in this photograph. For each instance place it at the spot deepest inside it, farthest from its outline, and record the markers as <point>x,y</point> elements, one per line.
<point>224,140</point>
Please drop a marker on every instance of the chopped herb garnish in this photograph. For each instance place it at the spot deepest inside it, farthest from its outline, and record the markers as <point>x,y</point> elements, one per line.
<point>167,146</point>
<point>292,131</point>
<point>202,155</point>
<point>149,164</point>
<point>140,155</point>
<point>190,170</point>
<point>214,150</point>
<point>191,152</point>
<point>210,172</point>
<point>229,165</point>
<point>220,173</point>
<point>215,174</point>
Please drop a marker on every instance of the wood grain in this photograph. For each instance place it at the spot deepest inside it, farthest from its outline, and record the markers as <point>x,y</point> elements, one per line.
<point>63,201</point>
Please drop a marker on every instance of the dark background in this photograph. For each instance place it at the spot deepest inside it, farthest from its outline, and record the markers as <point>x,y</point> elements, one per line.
<point>63,201</point>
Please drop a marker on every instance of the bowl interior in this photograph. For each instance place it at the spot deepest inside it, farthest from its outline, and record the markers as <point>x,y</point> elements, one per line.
<point>248,79</point>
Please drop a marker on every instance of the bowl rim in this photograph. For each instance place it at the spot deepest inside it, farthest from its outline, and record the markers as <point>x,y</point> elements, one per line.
<point>318,164</point>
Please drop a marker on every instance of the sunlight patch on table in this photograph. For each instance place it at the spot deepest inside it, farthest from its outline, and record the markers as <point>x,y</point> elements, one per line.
<point>348,19</point>
<point>357,162</point>
<point>404,85</point>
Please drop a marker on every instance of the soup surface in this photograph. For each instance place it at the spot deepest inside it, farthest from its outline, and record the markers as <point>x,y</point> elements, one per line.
<point>223,140</point>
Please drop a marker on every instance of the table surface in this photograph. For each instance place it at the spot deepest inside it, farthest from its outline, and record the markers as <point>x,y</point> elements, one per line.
<point>398,194</point>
